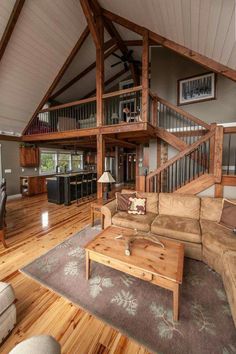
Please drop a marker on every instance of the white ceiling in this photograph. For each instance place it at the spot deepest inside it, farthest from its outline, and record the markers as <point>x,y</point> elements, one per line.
<point>47,31</point>
<point>206,26</point>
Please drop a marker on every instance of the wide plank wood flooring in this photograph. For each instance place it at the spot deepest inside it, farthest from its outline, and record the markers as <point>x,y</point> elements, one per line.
<point>33,227</point>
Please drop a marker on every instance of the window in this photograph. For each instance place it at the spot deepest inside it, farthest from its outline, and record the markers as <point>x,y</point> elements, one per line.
<point>76,162</point>
<point>48,162</point>
<point>64,161</point>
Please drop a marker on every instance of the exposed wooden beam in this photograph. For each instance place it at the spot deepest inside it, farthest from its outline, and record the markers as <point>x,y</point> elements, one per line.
<point>120,143</point>
<point>206,62</point>
<point>145,76</point>
<point>100,71</point>
<point>61,72</point>
<point>111,29</point>
<point>10,26</point>
<point>107,82</point>
<point>75,79</point>
<point>91,21</point>
<point>10,137</point>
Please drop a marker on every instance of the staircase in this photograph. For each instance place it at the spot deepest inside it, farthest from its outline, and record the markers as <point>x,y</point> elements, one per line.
<point>198,165</point>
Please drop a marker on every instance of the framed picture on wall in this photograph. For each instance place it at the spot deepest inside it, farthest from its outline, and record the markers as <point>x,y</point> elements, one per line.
<point>196,89</point>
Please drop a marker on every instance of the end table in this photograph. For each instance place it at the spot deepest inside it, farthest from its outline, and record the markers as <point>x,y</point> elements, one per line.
<point>96,208</point>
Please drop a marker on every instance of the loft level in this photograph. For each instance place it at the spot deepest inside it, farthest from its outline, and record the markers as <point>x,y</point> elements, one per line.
<point>122,112</point>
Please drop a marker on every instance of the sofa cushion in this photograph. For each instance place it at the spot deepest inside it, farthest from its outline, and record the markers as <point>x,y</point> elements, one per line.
<point>216,240</point>
<point>7,296</point>
<point>176,227</point>
<point>137,206</point>
<point>228,215</point>
<point>37,345</point>
<point>7,321</point>
<point>139,222</point>
<point>211,208</point>
<point>122,200</point>
<point>229,279</point>
<point>152,201</point>
<point>187,206</point>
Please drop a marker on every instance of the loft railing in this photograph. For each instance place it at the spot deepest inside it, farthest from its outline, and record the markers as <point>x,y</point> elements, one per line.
<point>229,151</point>
<point>119,107</point>
<point>185,167</point>
<point>123,106</point>
<point>70,116</point>
<point>184,125</point>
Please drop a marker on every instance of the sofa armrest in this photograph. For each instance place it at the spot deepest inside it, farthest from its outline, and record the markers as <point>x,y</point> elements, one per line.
<point>108,210</point>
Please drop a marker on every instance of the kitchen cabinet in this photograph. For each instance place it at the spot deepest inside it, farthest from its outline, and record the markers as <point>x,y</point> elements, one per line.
<point>29,156</point>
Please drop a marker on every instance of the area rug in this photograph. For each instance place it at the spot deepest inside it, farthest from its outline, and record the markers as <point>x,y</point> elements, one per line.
<point>138,309</point>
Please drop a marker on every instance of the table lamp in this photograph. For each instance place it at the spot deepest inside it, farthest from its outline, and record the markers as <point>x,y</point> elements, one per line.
<point>106,178</point>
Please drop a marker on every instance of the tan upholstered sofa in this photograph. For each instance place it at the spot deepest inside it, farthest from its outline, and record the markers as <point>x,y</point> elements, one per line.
<point>191,220</point>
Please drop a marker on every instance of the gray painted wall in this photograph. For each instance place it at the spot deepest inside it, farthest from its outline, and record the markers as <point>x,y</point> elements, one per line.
<point>11,160</point>
<point>167,67</point>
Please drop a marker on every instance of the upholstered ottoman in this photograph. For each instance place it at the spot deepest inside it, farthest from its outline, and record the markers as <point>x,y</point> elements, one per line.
<point>7,310</point>
<point>37,345</point>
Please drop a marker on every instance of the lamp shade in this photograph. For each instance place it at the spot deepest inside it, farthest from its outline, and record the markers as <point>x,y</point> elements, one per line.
<point>106,177</point>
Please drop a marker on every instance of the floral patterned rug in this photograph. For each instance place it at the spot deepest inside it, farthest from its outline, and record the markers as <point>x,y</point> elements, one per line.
<point>138,309</point>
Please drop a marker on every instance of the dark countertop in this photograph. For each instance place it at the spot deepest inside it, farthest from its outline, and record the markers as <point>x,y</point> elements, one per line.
<point>59,174</point>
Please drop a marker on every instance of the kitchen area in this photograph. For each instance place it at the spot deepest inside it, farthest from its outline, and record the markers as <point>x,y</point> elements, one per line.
<point>64,175</point>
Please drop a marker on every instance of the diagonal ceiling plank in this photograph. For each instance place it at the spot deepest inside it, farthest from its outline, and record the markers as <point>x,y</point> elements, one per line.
<point>10,26</point>
<point>82,73</point>
<point>167,43</point>
<point>61,72</point>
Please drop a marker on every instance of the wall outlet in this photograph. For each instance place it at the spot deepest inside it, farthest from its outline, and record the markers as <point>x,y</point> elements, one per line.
<point>7,170</point>
<point>36,169</point>
<point>23,170</point>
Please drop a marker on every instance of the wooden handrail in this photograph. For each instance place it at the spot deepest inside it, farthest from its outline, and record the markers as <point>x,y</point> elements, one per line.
<point>230,130</point>
<point>70,104</point>
<point>184,113</point>
<point>122,92</point>
<point>184,152</point>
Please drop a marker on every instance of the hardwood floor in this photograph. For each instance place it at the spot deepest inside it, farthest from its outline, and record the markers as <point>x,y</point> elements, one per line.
<point>33,227</point>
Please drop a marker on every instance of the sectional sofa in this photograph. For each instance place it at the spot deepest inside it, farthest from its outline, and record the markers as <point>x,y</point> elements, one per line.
<point>188,219</point>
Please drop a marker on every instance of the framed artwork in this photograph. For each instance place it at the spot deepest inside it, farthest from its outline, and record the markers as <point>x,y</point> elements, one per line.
<point>196,89</point>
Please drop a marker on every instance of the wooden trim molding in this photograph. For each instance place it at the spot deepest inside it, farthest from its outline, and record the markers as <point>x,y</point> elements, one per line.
<point>10,26</point>
<point>61,72</point>
<point>178,48</point>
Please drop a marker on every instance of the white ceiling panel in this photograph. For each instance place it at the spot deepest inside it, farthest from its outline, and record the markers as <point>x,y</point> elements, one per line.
<point>41,42</point>
<point>206,26</point>
<point>6,7</point>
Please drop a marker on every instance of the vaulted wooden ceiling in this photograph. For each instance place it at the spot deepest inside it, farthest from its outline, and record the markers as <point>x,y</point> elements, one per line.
<point>47,31</point>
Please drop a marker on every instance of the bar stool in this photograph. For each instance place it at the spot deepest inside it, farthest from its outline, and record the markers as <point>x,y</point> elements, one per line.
<point>94,183</point>
<point>79,187</point>
<point>89,183</point>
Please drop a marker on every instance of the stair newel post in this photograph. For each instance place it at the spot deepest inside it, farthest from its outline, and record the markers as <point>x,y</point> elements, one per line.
<point>145,77</point>
<point>212,150</point>
<point>218,153</point>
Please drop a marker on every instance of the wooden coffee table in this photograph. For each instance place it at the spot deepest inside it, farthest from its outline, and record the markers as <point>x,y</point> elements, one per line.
<point>148,261</point>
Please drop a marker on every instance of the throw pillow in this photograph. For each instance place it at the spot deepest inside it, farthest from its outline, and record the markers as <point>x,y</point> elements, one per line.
<point>122,201</point>
<point>137,206</point>
<point>228,215</point>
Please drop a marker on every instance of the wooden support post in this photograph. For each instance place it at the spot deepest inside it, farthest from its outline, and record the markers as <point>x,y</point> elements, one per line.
<point>154,111</point>
<point>145,77</point>
<point>100,163</point>
<point>137,168</point>
<point>212,150</point>
<point>218,153</point>
<point>100,71</point>
<point>219,190</point>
